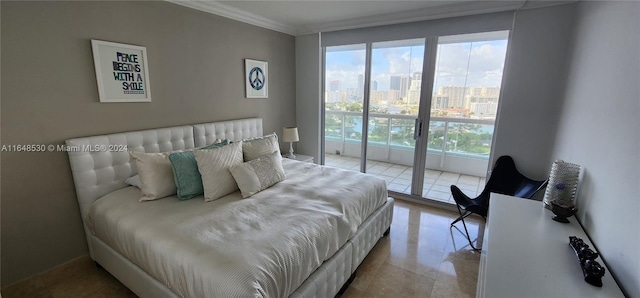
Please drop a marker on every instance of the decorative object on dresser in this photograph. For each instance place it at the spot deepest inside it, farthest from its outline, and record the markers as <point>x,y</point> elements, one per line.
<point>256,74</point>
<point>290,134</point>
<point>121,72</point>
<point>563,182</point>
<point>562,210</point>
<point>591,269</point>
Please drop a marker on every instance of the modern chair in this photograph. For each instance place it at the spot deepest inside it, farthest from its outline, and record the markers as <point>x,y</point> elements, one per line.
<point>505,179</point>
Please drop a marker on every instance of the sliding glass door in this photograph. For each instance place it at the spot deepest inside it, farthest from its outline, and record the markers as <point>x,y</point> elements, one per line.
<point>418,113</point>
<point>464,106</point>
<point>394,102</point>
<point>344,105</point>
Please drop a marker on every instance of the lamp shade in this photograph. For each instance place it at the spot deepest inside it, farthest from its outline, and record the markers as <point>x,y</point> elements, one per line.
<point>290,134</point>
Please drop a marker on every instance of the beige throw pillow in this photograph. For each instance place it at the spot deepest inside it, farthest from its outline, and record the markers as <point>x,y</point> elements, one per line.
<point>258,174</point>
<point>156,175</point>
<point>213,165</point>
<point>257,147</point>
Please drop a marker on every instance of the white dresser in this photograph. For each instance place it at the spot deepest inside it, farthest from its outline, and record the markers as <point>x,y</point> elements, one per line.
<point>527,254</point>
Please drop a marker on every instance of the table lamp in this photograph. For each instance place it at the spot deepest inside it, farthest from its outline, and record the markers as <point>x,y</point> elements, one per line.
<point>290,134</point>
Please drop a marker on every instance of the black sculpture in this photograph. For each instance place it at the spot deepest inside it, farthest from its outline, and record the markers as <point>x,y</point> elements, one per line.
<point>591,269</point>
<point>562,210</point>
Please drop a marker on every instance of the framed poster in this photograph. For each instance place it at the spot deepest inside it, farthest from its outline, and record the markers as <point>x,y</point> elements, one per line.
<point>256,78</point>
<point>121,72</point>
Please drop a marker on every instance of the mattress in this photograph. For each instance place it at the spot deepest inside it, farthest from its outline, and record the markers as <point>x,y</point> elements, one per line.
<point>262,246</point>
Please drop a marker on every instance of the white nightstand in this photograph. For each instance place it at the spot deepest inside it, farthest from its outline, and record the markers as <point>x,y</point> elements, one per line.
<point>300,157</point>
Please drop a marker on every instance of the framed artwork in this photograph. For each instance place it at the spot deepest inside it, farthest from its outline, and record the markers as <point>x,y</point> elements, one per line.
<point>121,72</point>
<point>256,78</point>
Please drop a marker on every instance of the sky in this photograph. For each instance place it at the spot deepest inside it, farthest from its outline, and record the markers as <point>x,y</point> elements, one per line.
<point>459,64</point>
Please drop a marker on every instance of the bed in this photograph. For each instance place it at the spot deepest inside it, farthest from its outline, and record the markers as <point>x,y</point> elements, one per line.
<point>302,237</point>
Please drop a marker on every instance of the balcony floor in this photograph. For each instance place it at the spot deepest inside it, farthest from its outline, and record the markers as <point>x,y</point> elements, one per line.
<point>436,184</point>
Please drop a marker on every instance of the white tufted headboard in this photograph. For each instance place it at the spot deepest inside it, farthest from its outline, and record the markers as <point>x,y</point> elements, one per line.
<point>99,166</point>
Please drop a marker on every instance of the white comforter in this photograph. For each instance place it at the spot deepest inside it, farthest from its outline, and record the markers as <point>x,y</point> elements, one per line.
<point>262,246</point>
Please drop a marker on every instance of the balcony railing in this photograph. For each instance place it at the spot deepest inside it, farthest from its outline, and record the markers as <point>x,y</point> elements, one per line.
<point>391,137</point>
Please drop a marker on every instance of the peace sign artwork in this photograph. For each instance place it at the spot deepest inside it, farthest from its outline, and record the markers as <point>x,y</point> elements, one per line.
<point>256,78</point>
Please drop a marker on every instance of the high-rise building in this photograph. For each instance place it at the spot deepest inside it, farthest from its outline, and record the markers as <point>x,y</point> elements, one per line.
<point>476,91</point>
<point>417,75</point>
<point>393,95</point>
<point>334,85</point>
<point>485,91</point>
<point>414,92</point>
<point>484,110</point>
<point>491,91</point>
<point>374,85</point>
<point>457,95</point>
<point>405,83</point>
<point>360,93</point>
<point>394,83</point>
<point>377,97</point>
<point>440,102</point>
<point>333,96</point>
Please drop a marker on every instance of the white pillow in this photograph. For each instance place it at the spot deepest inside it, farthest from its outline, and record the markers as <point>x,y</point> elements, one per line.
<point>153,170</point>
<point>156,175</point>
<point>258,174</point>
<point>133,181</point>
<point>213,165</point>
<point>257,147</point>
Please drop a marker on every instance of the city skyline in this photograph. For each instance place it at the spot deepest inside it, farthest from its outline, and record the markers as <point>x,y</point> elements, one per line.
<point>458,101</point>
<point>467,81</point>
<point>471,64</point>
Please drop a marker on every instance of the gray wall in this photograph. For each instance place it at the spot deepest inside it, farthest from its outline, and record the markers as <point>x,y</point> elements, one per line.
<point>533,88</point>
<point>598,129</point>
<point>49,94</point>
<point>308,94</point>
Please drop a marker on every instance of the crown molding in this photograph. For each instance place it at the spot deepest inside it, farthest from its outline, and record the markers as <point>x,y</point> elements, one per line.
<point>456,9</point>
<point>445,11</point>
<point>533,4</point>
<point>227,11</point>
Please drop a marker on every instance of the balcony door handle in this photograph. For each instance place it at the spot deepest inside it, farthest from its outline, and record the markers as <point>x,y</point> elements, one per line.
<point>417,131</point>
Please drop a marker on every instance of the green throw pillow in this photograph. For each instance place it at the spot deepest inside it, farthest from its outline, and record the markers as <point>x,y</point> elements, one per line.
<point>185,172</point>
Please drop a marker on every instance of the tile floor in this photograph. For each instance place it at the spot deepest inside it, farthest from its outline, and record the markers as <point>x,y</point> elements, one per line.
<point>422,257</point>
<point>436,184</point>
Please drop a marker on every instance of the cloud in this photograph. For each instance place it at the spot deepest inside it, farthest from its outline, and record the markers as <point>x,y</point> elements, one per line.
<point>348,79</point>
<point>398,60</point>
<point>345,67</point>
<point>358,59</point>
<point>473,64</point>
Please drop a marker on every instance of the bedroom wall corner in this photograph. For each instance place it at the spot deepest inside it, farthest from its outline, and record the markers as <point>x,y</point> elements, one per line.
<point>598,130</point>
<point>533,87</point>
<point>308,94</point>
<point>49,94</point>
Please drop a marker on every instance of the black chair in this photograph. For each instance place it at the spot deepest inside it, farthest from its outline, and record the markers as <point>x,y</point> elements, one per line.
<point>505,179</point>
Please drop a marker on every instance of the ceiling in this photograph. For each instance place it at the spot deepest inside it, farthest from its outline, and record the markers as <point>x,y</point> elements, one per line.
<point>299,17</point>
